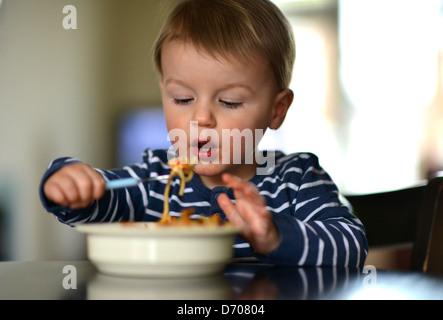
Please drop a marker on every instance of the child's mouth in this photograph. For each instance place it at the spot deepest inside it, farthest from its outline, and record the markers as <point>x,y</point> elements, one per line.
<point>203,149</point>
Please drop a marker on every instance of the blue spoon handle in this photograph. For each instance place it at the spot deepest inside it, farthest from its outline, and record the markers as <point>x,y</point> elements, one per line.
<point>131,182</point>
<point>122,183</point>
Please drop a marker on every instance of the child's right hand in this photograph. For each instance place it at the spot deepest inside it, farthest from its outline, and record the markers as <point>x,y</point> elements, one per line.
<point>74,186</point>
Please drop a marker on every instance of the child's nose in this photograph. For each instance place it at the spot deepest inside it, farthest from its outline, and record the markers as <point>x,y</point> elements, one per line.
<point>204,115</point>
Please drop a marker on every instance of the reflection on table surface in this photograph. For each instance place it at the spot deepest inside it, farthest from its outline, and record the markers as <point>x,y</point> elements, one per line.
<point>241,280</point>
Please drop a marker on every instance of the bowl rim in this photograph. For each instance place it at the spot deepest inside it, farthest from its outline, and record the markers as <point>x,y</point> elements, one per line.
<point>151,229</point>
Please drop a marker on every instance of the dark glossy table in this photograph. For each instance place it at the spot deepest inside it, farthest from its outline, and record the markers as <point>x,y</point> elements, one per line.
<point>72,280</point>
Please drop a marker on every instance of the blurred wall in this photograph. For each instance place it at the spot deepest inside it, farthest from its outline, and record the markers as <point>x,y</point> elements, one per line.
<point>61,93</point>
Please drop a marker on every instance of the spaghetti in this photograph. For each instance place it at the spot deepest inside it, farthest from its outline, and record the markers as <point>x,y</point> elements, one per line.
<point>184,170</point>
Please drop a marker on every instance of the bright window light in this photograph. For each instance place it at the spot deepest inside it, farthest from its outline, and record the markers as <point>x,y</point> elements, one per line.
<point>389,52</point>
<point>389,73</point>
<point>388,69</point>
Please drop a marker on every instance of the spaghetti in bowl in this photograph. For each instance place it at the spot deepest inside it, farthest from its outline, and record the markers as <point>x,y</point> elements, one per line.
<point>141,249</point>
<point>172,247</point>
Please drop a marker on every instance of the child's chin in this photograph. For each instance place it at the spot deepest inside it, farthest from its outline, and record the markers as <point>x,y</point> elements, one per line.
<point>204,168</point>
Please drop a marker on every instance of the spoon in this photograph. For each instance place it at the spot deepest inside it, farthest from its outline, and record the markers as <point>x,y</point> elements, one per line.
<point>132,182</point>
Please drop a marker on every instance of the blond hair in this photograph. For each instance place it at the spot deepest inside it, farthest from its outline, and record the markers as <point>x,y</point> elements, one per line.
<point>242,28</point>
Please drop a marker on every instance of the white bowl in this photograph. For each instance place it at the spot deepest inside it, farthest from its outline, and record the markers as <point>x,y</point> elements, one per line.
<point>149,250</point>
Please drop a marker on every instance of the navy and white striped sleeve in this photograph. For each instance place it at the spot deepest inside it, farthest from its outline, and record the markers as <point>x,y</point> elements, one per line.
<point>115,205</point>
<point>319,231</point>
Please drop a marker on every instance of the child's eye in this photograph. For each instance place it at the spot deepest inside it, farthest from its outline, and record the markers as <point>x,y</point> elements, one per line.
<point>183,101</point>
<point>231,104</point>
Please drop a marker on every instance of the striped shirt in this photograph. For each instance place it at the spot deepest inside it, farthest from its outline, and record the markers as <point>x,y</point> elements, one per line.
<point>315,228</point>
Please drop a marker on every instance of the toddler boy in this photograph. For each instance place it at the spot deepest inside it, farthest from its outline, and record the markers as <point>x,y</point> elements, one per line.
<point>225,69</point>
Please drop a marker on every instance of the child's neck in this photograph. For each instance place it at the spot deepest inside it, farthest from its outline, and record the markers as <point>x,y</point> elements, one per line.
<point>244,172</point>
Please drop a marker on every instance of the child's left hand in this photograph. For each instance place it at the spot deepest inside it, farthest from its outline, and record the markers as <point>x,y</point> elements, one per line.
<point>250,214</point>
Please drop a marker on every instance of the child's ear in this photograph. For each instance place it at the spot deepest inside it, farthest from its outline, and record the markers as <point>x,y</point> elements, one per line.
<point>282,103</point>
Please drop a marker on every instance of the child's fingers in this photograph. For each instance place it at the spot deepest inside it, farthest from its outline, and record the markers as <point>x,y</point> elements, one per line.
<point>71,188</point>
<point>243,189</point>
<point>233,182</point>
<point>83,188</point>
<point>76,186</point>
<point>99,186</point>
<point>54,193</point>
<point>89,186</point>
<point>250,207</point>
<point>94,185</point>
<point>230,210</point>
<point>250,213</point>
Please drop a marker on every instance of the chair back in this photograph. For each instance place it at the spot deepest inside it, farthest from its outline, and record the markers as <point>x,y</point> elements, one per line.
<point>412,216</point>
<point>427,254</point>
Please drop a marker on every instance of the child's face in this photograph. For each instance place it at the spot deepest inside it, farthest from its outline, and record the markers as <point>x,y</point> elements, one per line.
<point>210,103</point>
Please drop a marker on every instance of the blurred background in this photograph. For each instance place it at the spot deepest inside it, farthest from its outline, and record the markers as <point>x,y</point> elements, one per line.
<point>368,87</point>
